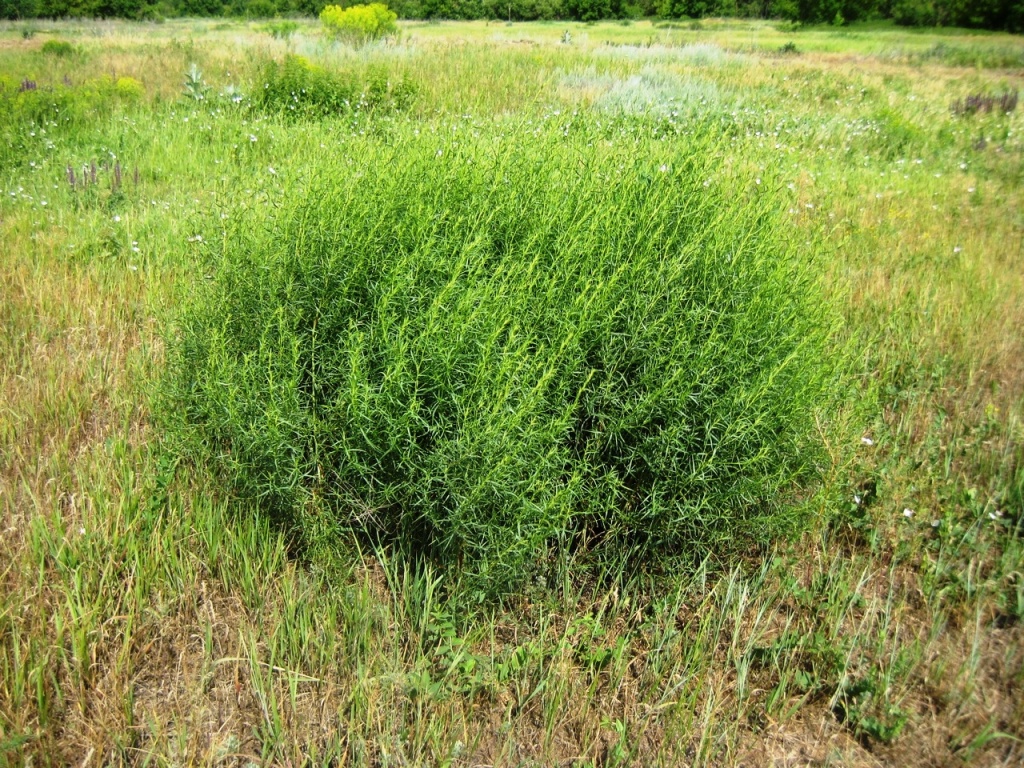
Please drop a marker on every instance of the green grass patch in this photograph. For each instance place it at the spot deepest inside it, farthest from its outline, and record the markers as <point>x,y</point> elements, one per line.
<point>296,88</point>
<point>28,106</point>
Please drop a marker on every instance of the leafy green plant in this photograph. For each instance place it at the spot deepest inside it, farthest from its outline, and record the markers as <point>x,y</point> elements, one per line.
<point>359,24</point>
<point>446,354</point>
<point>863,707</point>
<point>195,87</point>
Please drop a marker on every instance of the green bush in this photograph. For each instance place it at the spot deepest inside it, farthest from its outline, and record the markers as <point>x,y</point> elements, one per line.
<point>521,344</point>
<point>58,48</point>
<point>589,10</point>
<point>914,13</point>
<point>360,23</point>
<point>298,88</point>
<point>260,9</point>
<point>128,88</point>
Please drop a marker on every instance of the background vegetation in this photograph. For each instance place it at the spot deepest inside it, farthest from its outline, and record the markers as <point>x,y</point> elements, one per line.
<point>151,613</point>
<point>984,14</point>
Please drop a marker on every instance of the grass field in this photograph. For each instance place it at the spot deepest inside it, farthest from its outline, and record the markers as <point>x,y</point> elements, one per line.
<point>152,615</point>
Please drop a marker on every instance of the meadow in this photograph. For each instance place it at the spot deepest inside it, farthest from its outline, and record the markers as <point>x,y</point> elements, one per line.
<point>328,377</point>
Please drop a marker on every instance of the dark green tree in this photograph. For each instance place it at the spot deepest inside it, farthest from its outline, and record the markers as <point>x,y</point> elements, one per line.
<point>18,9</point>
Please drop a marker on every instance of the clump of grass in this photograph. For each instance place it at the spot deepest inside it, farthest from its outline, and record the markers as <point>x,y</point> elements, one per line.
<point>497,349</point>
<point>297,88</point>
<point>59,48</point>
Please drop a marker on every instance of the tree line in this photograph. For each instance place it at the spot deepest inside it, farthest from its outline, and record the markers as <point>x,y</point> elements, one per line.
<point>984,14</point>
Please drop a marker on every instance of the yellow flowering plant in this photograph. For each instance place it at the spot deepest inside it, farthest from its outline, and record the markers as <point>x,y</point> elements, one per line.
<point>360,23</point>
